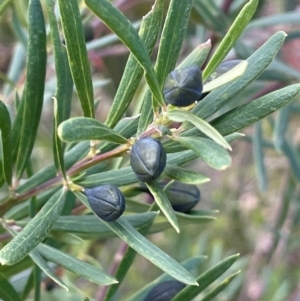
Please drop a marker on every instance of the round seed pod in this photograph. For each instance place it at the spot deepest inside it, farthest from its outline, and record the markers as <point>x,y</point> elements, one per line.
<point>148,159</point>
<point>223,68</point>
<point>220,70</point>
<point>107,201</point>
<point>183,197</point>
<point>183,86</point>
<point>165,291</point>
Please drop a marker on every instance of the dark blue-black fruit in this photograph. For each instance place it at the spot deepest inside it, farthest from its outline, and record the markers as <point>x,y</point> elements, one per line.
<point>183,86</point>
<point>183,197</point>
<point>107,201</point>
<point>147,159</point>
<point>220,70</point>
<point>223,68</point>
<point>164,291</point>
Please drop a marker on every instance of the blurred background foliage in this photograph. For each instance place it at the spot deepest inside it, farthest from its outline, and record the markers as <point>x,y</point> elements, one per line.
<point>258,197</point>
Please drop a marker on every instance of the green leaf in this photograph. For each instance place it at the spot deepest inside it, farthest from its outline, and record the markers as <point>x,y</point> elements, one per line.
<point>125,264</point>
<point>133,72</point>
<point>147,114</point>
<point>197,57</point>
<point>4,5</point>
<point>184,175</point>
<point>211,15</point>
<point>250,113</point>
<point>227,77</point>
<point>231,37</point>
<point>83,128</point>
<point>77,54</point>
<point>258,155</point>
<point>201,125</point>
<point>277,19</point>
<point>29,112</point>
<point>68,238</point>
<point>89,224</point>
<point>121,26</point>
<point>163,203</point>
<point>205,279</point>
<point>213,293</point>
<point>194,217</point>
<point>7,291</point>
<point>43,265</point>
<point>189,264</point>
<point>5,132</point>
<point>257,62</point>
<point>281,126</point>
<point>148,250</point>
<point>64,86</point>
<point>172,36</point>
<point>118,177</point>
<point>170,44</point>
<point>75,265</point>
<point>214,155</point>
<point>36,230</point>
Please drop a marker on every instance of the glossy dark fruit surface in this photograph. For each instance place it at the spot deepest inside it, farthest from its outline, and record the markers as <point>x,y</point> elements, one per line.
<point>107,201</point>
<point>183,86</point>
<point>183,197</point>
<point>165,291</point>
<point>148,159</point>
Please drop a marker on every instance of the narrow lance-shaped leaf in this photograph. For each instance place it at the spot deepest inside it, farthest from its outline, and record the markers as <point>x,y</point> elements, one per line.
<point>83,128</point>
<point>203,126</point>
<point>213,154</point>
<point>221,287</point>
<point>64,88</point>
<point>5,131</point>
<point>133,72</point>
<point>75,265</point>
<point>250,113</point>
<point>29,112</point>
<point>231,37</point>
<point>184,175</point>
<point>144,247</point>
<point>35,231</point>
<point>173,33</point>
<point>148,250</point>
<point>121,26</point>
<point>257,62</point>
<point>227,77</point>
<point>77,54</point>
<point>7,291</point>
<point>126,263</point>
<point>281,126</point>
<point>89,224</point>
<point>197,57</point>
<point>163,203</point>
<point>57,143</point>
<point>170,44</point>
<point>42,264</point>
<point>258,155</point>
<point>205,279</point>
<point>189,264</point>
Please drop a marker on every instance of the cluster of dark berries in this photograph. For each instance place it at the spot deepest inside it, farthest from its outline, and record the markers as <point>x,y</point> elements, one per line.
<point>148,160</point>
<point>148,157</point>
